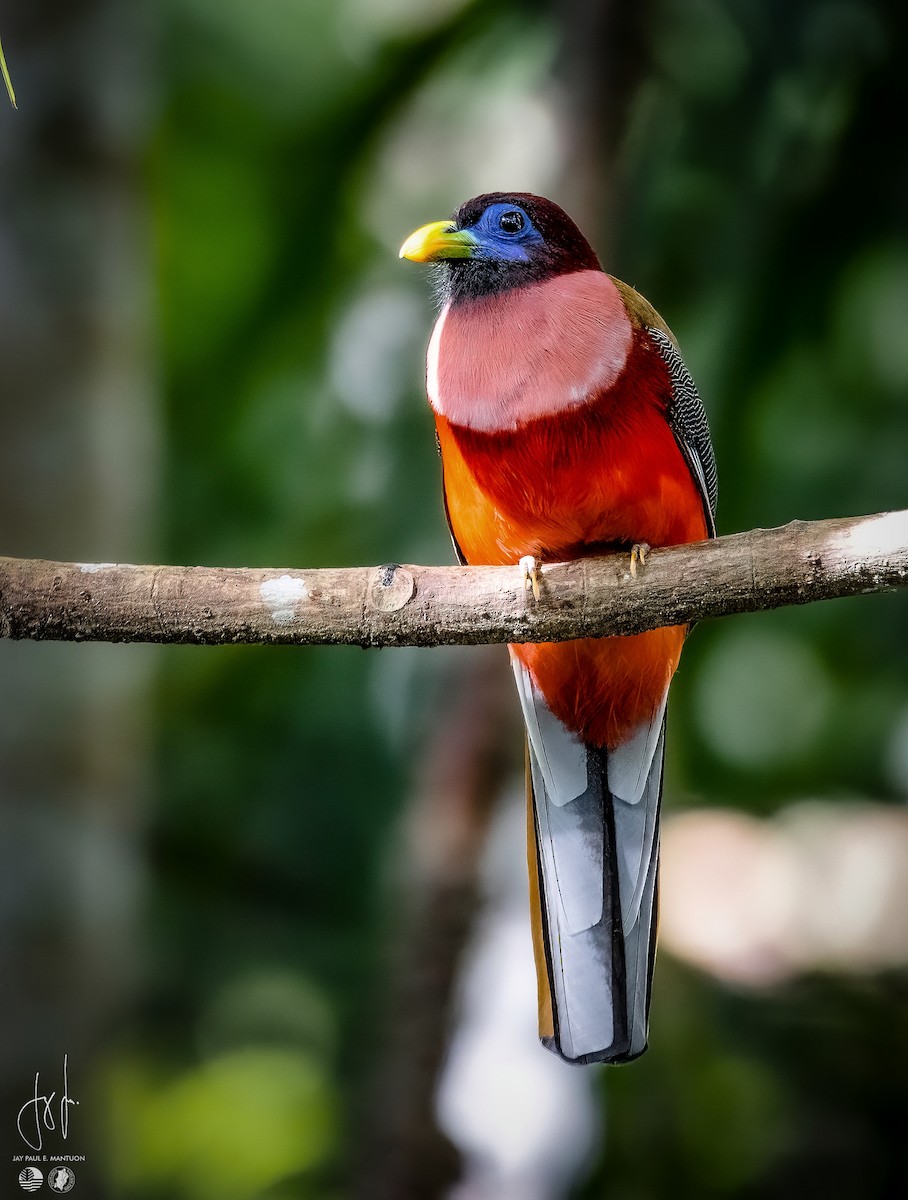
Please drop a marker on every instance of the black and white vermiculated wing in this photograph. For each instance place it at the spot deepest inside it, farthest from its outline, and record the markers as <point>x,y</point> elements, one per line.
<point>687,418</point>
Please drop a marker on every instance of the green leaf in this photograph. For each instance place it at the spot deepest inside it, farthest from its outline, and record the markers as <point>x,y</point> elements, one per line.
<point>6,78</point>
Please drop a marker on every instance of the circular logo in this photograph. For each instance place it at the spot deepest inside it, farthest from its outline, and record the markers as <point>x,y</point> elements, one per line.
<point>60,1179</point>
<point>30,1179</point>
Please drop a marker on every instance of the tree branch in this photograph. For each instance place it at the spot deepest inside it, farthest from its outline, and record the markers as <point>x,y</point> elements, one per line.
<point>433,606</point>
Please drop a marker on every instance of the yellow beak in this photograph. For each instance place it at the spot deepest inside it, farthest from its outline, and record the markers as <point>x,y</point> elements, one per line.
<point>438,241</point>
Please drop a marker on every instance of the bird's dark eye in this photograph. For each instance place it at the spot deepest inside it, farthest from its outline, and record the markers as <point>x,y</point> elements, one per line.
<point>511,222</point>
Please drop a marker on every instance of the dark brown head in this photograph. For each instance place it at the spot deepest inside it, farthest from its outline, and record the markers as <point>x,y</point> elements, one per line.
<point>500,241</point>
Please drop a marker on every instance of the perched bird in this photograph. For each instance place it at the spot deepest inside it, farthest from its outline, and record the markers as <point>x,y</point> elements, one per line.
<point>568,425</point>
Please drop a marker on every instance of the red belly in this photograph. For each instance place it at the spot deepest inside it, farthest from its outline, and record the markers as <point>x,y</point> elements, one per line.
<point>595,478</point>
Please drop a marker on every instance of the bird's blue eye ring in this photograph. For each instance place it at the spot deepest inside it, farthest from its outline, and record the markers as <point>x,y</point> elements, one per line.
<point>511,221</point>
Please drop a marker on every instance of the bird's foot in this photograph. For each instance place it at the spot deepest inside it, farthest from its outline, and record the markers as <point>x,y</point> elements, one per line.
<point>639,551</point>
<point>529,573</point>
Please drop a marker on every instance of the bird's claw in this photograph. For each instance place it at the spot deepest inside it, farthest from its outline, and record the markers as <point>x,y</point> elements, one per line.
<point>529,573</point>
<point>639,551</point>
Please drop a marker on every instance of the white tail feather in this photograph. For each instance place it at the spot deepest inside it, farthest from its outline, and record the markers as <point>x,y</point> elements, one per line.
<point>629,764</point>
<point>598,863</point>
<point>572,867</point>
<point>560,754</point>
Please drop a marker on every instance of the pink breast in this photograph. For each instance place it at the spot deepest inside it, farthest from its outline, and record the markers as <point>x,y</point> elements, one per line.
<point>500,361</point>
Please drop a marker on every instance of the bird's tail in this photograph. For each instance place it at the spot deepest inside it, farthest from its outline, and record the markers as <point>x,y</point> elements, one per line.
<point>593,850</point>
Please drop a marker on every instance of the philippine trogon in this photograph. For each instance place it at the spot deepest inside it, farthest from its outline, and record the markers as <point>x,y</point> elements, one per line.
<point>569,425</point>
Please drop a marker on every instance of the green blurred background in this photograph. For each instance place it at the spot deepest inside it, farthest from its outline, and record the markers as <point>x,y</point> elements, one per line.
<point>253,892</point>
